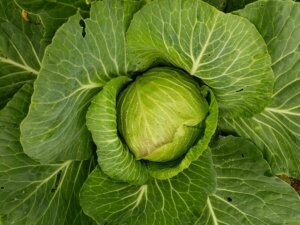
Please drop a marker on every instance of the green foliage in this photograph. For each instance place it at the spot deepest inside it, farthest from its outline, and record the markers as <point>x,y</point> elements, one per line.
<point>33,193</point>
<point>21,49</point>
<point>151,91</point>
<point>158,97</point>
<point>218,48</point>
<point>276,129</point>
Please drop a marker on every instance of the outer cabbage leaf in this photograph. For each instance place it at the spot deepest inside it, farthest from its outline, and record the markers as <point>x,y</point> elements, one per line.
<point>73,70</point>
<point>173,201</point>
<point>277,129</point>
<point>54,13</point>
<point>114,157</point>
<point>32,193</point>
<point>21,49</point>
<point>245,193</point>
<point>224,50</point>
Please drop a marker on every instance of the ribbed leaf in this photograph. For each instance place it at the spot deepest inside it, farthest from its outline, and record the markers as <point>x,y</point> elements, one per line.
<point>73,70</point>
<point>277,129</point>
<point>174,201</point>
<point>114,157</point>
<point>170,169</point>
<point>160,115</point>
<point>224,50</point>
<point>245,193</point>
<point>21,49</point>
<point>54,13</point>
<point>32,193</point>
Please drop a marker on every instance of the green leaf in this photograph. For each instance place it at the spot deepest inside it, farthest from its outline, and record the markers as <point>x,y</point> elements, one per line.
<point>225,51</point>
<point>21,49</point>
<point>174,201</point>
<point>171,169</point>
<point>33,193</point>
<point>277,129</point>
<point>73,71</point>
<point>161,114</point>
<point>54,13</point>
<point>245,194</point>
<point>114,157</point>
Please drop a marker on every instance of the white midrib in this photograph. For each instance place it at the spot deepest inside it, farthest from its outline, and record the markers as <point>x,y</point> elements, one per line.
<point>142,192</point>
<point>282,111</point>
<point>197,62</point>
<point>63,165</point>
<point>24,67</point>
<point>212,213</point>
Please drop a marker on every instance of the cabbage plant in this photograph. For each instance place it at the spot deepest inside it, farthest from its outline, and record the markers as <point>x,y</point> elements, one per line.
<point>150,112</point>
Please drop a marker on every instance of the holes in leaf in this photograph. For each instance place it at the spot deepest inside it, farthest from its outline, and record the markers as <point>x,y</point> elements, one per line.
<point>243,155</point>
<point>240,90</point>
<point>2,188</point>
<point>82,24</point>
<point>57,180</point>
<point>229,199</point>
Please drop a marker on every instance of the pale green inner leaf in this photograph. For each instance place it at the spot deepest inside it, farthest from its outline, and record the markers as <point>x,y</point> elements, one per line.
<point>114,157</point>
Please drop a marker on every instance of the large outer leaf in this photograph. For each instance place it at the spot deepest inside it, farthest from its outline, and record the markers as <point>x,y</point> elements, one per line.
<point>54,13</point>
<point>277,129</point>
<point>174,201</point>
<point>21,49</point>
<point>245,194</point>
<point>31,193</point>
<point>224,50</point>
<point>114,157</point>
<point>74,69</point>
